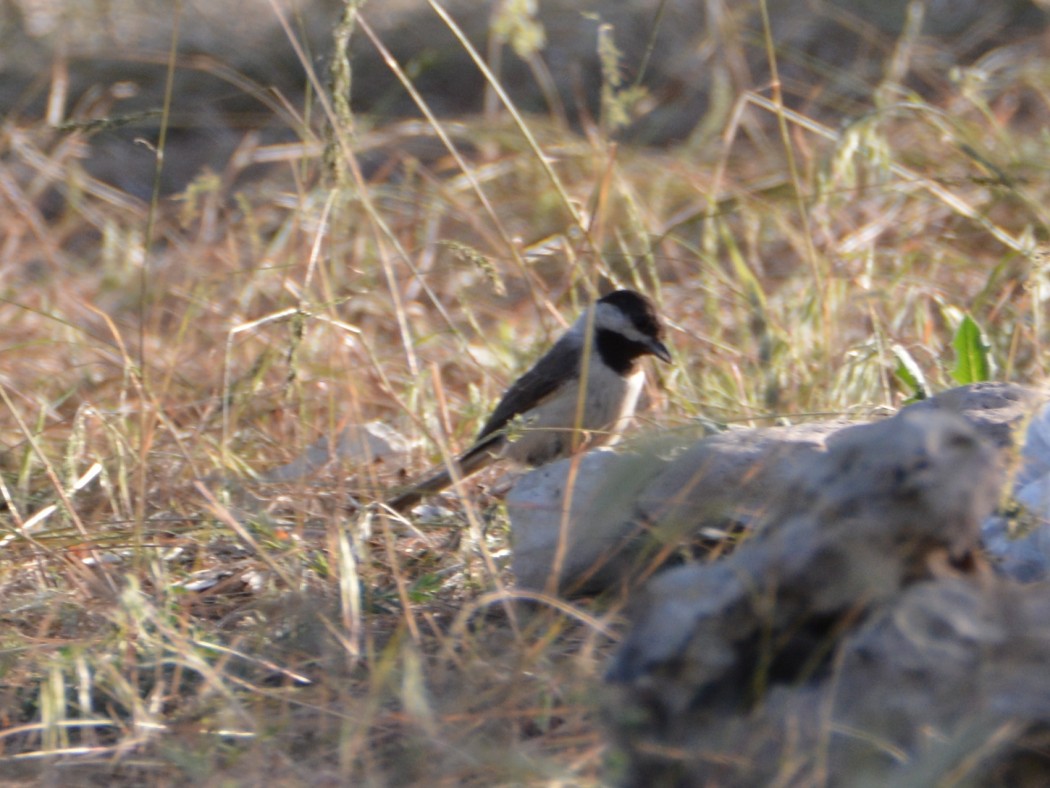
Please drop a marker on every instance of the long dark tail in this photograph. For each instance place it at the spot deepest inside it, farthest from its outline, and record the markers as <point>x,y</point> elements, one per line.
<point>471,461</point>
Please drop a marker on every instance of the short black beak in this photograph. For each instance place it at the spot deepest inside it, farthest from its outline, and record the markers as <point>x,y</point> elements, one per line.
<point>659,349</point>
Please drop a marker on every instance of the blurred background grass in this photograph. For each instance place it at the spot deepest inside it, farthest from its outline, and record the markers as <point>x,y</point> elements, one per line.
<point>812,194</point>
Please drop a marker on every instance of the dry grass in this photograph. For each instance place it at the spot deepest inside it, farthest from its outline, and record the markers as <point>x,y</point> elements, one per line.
<point>168,616</point>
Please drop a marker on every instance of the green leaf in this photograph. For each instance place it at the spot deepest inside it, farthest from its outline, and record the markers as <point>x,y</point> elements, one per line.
<point>910,374</point>
<point>972,360</point>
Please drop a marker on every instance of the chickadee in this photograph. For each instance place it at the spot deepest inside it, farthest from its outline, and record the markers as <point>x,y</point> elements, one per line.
<point>554,421</point>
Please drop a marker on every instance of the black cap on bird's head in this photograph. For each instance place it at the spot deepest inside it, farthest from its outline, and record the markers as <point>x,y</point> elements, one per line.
<point>640,323</point>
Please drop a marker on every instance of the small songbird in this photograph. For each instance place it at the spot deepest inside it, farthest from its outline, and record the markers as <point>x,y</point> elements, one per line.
<point>544,416</point>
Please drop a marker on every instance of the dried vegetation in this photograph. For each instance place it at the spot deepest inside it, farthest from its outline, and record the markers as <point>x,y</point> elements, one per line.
<point>168,616</point>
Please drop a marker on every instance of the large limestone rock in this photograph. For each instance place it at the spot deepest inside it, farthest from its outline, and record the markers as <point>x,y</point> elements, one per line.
<point>945,685</point>
<point>631,514</point>
<point>724,659</point>
<point>634,509</point>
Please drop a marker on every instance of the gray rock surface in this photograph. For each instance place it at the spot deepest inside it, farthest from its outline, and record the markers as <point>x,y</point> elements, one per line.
<point>680,494</point>
<point>636,510</point>
<point>946,685</point>
<point>864,518</point>
<point>562,545</point>
<point>727,479</point>
<point>996,409</point>
<point>356,444</point>
<point>725,659</point>
<point>1020,544</point>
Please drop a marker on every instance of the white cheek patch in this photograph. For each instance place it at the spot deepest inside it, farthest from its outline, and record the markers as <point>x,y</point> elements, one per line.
<point>611,318</point>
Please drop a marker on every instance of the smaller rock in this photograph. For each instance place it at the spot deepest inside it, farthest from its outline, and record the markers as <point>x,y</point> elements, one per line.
<point>578,548</point>
<point>358,444</point>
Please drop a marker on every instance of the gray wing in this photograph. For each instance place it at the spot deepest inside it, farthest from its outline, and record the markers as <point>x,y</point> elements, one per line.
<point>560,363</point>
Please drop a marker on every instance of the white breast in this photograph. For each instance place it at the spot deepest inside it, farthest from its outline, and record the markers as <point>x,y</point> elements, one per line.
<point>609,403</point>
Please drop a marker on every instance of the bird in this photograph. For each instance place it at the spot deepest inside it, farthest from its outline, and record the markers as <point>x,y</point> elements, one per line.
<point>544,415</point>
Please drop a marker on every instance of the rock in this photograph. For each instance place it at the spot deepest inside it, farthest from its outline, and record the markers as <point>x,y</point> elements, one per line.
<point>937,662</point>
<point>727,479</point>
<point>577,549</point>
<point>997,410</point>
<point>721,654</point>
<point>863,517</point>
<point>694,495</point>
<point>1035,451</point>
<point>643,505</point>
<point>1020,544</point>
<point>947,684</point>
<point>357,444</point>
